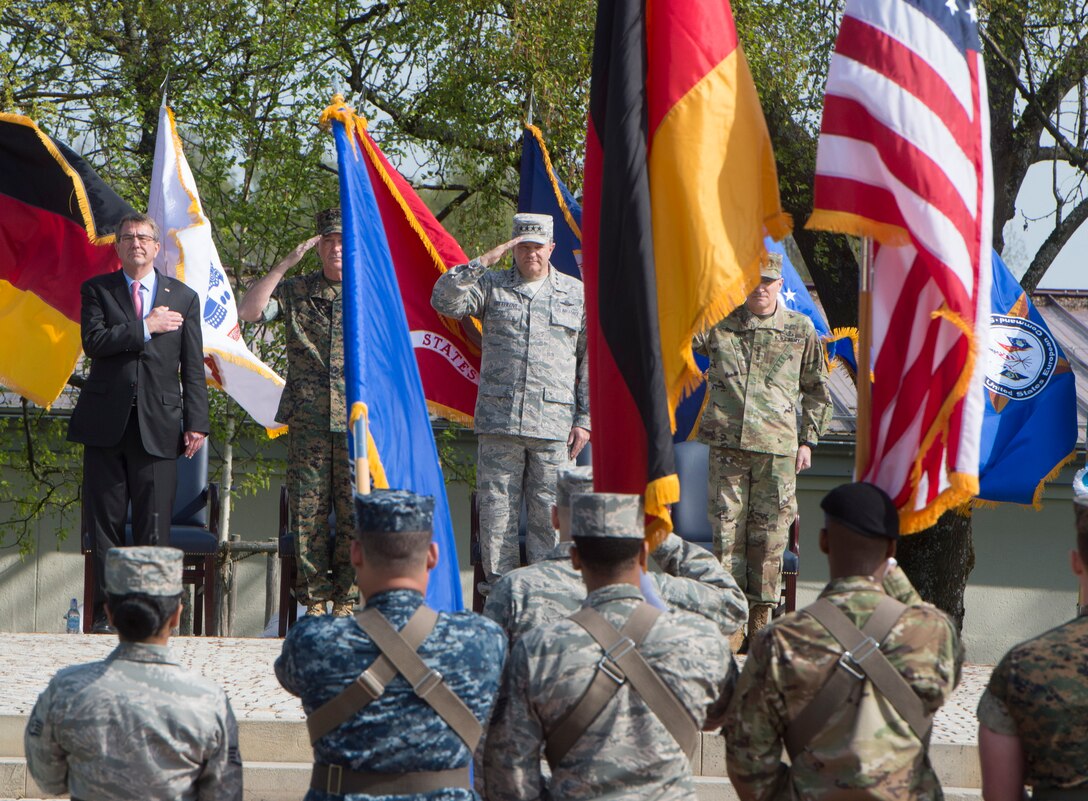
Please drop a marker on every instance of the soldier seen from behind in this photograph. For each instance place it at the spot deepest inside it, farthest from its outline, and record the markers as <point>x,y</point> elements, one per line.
<point>136,726</point>
<point>1033,717</point>
<point>395,696</point>
<point>849,685</point>
<point>616,694</point>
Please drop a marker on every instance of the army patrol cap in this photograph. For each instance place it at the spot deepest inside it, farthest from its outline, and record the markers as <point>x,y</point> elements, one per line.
<point>771,268</point>
<point>328,222</point>
<point>572,481</point>
<point>864,508</point>
<point>606,515</point>
<point>536,228</point>
<point>150,570</point>
<point>386,511</point>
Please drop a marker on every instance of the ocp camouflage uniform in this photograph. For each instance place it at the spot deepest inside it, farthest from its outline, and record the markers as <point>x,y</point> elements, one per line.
<point>314,408</point>
<point>534,388</point>
<point>791,659</point>
<point>758,367</point>
<point>1039,694</point>
<point>134,726</point>
<point>626,753</point>
<point>398,732</point>
<point>552,589</point>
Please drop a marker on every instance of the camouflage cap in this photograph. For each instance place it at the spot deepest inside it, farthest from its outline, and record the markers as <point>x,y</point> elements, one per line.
<point>328,222</point>
<point>572,481</point>
<point>536,228</point>
<point>771,267</point>
<point>864,508</point>
<point>150,570</point>
<point>607,515</point>
<point>388,510</point>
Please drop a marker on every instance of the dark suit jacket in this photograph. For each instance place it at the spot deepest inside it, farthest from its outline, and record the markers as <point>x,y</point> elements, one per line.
<point>124,366</point>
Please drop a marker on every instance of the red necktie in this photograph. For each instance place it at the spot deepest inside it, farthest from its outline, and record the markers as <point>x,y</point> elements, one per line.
<point>137,300</point>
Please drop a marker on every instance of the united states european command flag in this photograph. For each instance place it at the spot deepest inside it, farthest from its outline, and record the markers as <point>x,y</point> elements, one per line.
<point>381,375</point>
<point>1029,427</point>
<point>57,220</point>
<point>542,192</point>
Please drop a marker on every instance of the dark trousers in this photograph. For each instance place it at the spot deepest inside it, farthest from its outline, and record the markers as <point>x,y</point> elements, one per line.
<point>112,478</point>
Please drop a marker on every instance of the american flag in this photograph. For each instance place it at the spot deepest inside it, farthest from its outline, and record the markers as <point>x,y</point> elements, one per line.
<point>904,158</point>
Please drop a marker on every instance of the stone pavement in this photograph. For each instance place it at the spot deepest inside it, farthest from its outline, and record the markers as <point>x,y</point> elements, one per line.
<point>273,737</point>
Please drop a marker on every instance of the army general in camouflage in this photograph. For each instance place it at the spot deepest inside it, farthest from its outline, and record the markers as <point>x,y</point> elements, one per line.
<point>763,357</point>
<point>692,579</point>
<point>619,720</point>
<point>1032,717</point>
<point>315,411</point>
<point>846,736</point>
<point>373,736</point>
<point>136,726</point>
<point>532,411</point>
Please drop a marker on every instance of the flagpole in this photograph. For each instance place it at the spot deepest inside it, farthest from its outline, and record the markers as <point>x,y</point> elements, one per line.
<point>362,461</point>
<point>864,377</point>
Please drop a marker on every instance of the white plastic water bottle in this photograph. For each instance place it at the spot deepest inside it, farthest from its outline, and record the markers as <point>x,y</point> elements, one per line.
<point>71,617</point>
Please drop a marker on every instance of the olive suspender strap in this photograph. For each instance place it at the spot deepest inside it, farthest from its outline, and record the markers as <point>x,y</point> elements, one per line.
<point>861,659</point>
<point>621,662</point>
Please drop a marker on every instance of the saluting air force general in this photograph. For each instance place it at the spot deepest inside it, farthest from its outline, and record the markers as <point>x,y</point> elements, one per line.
<point>136,726</point>
<point>532,412</point>
<point>396,696</point>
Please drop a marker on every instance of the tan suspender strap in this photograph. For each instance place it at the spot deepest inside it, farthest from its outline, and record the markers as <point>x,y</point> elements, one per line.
<point>861,659</point>
<point>371,682</point>
<point>338,780</point>
<point>427,683</point>
<point>621,662</point>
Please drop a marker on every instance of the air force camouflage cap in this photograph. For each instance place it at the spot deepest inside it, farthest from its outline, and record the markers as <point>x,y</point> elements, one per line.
<point>606,515</point>
<point>150,570</point>
<point>572,481</point>
<point>864,508</point>
<point>328,222</point>
<point>771,267</point>
<point>536,228</point>
<point>386,511</point>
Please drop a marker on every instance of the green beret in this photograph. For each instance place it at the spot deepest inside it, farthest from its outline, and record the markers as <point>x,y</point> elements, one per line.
<point>150,570</point>
<point>389,510</point>
<point>572,481</point>
<point>607,515</point>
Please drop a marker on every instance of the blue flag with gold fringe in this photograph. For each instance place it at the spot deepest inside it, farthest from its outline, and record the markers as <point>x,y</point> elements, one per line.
<point>1029,427</point>
<point>380,371</point>
<point>542,192</point>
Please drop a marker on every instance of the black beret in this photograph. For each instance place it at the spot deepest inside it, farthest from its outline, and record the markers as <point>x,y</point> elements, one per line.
<point>388,510</point>
<point>864,508</point>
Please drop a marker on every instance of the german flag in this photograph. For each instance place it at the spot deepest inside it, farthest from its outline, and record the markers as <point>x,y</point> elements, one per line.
<point>680,188</point>
<point>57,219</point>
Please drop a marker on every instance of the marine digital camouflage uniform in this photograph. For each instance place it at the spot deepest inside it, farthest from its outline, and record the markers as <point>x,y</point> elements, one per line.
<point>552,589</point>
<point>534,388</point>
<point>1039,694</point>
<point>758,368</point>
<point>314,407</point>
<point>626,753</point>
<point>134,726</point>
<point>398,732</point>
<point>791,659</point>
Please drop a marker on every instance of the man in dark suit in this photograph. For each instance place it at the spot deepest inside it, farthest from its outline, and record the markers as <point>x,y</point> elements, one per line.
<point>140,328</point>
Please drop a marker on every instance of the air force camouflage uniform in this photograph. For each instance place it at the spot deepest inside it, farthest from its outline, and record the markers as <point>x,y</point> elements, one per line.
<point>758,367</point>
<point>314,408</point>
<point>534,388</point>
<point>136,725</point>
<point>626,752</point>
<point>398,733</point>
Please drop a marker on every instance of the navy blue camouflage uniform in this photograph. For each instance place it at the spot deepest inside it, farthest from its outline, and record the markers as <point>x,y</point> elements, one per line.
<point>398,732</point>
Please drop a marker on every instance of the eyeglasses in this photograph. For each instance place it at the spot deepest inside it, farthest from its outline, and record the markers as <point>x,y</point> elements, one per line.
<point>143,239</point>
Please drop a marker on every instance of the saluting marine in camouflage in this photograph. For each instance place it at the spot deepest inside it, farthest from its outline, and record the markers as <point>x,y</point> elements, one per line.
<point>627,751</point>
<point>397,737</point>
<point>136,725</point>
<point>532,410</point>
<point>1032,717</point>
<point>762,357</point>
<point>314,408</point>
<point>863,748</point>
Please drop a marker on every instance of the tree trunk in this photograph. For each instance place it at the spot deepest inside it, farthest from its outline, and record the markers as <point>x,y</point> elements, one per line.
<point>938,561</point>
<point>225,580</point>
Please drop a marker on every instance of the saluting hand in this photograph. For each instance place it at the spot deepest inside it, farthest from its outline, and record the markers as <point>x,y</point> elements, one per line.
<point>493,255</point>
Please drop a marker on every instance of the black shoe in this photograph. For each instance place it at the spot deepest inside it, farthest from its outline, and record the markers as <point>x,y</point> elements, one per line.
<point>102,626</point>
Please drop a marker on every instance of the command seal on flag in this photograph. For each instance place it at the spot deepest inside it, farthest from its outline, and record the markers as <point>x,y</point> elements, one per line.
<point>1023,357</point>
